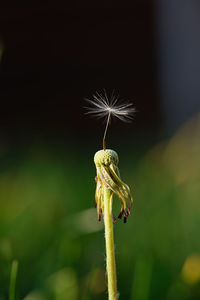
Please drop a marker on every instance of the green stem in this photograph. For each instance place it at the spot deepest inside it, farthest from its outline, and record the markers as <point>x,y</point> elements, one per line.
<point>110,251</point>
<point>13,277</point>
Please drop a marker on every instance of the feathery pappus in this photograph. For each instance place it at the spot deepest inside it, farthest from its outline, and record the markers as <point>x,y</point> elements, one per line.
<point>104,107</point>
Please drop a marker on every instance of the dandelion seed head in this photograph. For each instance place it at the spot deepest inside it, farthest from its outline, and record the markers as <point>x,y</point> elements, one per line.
<point>102,106</point>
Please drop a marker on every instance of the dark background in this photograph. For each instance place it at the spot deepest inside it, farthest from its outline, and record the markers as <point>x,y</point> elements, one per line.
<point>57,55</point>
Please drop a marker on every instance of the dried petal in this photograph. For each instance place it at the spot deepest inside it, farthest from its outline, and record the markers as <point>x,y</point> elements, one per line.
<point>108,175</point>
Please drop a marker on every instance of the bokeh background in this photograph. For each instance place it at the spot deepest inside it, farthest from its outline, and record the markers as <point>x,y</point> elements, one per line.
<point>53,54</point>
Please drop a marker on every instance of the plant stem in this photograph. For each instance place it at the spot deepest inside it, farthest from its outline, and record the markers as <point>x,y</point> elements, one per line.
<point>110,251</point>
<point>105,131</point>
<point>13,277</point>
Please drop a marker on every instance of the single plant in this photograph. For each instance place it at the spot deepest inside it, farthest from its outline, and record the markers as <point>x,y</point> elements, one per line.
<point>108,181</point>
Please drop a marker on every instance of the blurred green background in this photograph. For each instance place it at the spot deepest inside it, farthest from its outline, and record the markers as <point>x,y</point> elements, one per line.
<point>49,225</point>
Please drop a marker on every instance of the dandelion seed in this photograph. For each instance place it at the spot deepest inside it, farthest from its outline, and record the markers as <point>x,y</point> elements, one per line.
<point>103,107</point>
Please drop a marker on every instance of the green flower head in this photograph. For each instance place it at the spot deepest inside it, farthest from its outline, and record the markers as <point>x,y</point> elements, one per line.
<point>106,162</point>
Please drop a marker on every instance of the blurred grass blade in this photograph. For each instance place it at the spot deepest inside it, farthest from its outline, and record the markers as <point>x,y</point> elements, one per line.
<point>13,277</point>
<point>142,278</point>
